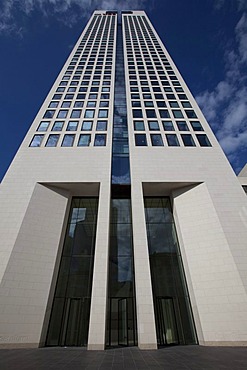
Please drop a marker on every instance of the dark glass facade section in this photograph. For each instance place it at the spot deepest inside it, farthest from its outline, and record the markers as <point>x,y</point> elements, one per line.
<point>71,307</point>
<point>120,143</point>
<point>173,316</point>
<point>121,322</point>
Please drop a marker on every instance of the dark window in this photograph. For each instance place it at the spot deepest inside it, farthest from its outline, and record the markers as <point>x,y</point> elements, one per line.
<point>172,140</point>
<point>182,126</point>
<point>137,113</point>
<point>49,114</point>
<point>100,140</point>
<point>140,140</point>
<point>84,140</point>
<point>190,114</point>
<point>168,126</point>
<point>156,140</point>
<point>203,140</point>
<point>164,113</point>
<point>188,140</point>
<point>196,125</point>
<point>68,140</point>
<point>150,113</point>
<point>36,140</point>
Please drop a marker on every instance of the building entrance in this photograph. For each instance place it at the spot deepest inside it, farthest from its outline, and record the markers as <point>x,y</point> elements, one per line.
<point>121,322</point>
<point>167,332</point>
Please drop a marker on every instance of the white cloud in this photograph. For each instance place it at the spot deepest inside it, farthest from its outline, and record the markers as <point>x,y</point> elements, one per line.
<point>226,105</point>
<point>67,11</point>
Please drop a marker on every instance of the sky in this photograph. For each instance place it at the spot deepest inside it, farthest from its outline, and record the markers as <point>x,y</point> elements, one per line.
<point>206,39</point>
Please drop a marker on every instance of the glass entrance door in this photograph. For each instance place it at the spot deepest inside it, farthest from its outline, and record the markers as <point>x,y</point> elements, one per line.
<point>122,330</point>
<point>74,331</point>
<point>167,326</point>
<point>122,322</point>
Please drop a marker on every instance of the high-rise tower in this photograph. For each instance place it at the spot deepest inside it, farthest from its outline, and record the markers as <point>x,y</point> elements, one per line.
<point>122,222</point>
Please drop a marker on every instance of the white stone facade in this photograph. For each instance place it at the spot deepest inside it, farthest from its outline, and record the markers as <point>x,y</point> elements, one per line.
<point>209,205</point>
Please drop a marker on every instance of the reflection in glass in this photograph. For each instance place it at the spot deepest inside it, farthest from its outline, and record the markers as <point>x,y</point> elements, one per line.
<point>71,307</point>
<point>173,315</point>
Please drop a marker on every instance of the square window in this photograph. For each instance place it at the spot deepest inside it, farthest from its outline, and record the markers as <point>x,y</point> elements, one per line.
<point>203,140</point>
<point>83,89</point>
<point>78,104</point>
<point>140,140</point>
<point>182,126</point>
<point>66,104</point>
<point>100,140</point>
<point>72,126</point>
<point>137,113</point>
<point>172,140</point>
<point>69,96</point>
<point>177,113</point>
<point>148,103</point>
<point>76,113</point>
<point>188,140</point>
<point>62,113</point>
<point>43,126</point>
<point>104,103</point>
<point>153,125</point>
<point>173,104</point>
<point>161,104</point>
<point>150,113</point>
<point>89,113</point>
<point>52,140</point>
<point>57,96</point>
<point>164,113</point>
<point>136,103</point>
<point>101,126</point>
<point>186,104</point>
<point>139,126</point>
<point>87,125</point>
<point>156,140</point>
<point>58,126</point>
<point>81,96</point>
<point>49,114</point>
<point>68,140</point>
<point>196,125</point>
<point>168,126</point>
<point>91,104</point>
<point>190,114</point>
<point>84,140</point>
<point>103,113</point>
<point>36,140</point>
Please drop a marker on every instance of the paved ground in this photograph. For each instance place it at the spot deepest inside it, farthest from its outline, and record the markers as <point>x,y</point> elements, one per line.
<point>172,358</point>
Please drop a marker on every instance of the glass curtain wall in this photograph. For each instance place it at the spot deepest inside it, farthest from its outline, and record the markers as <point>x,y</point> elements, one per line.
<point>173,316</point>
<point>71,307</point>
<point>121,322</point>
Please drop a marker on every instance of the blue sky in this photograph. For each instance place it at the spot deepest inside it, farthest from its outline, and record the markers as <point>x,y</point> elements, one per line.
<point>206,39</point>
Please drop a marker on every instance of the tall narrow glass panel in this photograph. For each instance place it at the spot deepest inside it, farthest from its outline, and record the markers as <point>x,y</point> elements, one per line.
<point>71,307</point>
<point>173,315</point>
<point>121,322</point>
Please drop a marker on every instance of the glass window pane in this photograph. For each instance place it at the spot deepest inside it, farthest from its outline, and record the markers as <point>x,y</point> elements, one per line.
<point>76,113</point>
<point>68,140</point>
<point>43,126</point>
<point>52,140</point>
<point>62,114</point>
<point>101,126</point>
<point>203,140</point>
<point>58,126</point>
<point>139,126</point>
<point>87,125</point>
<point>53,104</point>
<point>137,113</point>
<point>196,125</point>
<point>153,125</point>
<point>66,104</point>
<point>190,114</point>
<point>72,126</point>
<point>84,140</point>
<point>49,114</point>
<point>182,126</point>
<point>157,140</point>
<point>188,140</point>
<point>100,140</point>
<point>89,113</point>
<point>172,140</point>
<point>150,113</point>
<point>164,113</point>
<point>103,113</point>
<point>177,113</point>
<point>140,140</point>
<point>168,126</point>
<point>37,140</point>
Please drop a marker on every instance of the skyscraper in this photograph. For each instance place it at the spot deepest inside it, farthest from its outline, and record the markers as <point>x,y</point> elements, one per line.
<point>122,222</point>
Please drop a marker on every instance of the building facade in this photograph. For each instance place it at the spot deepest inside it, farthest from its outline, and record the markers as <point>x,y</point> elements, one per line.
<point>122,222</point>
